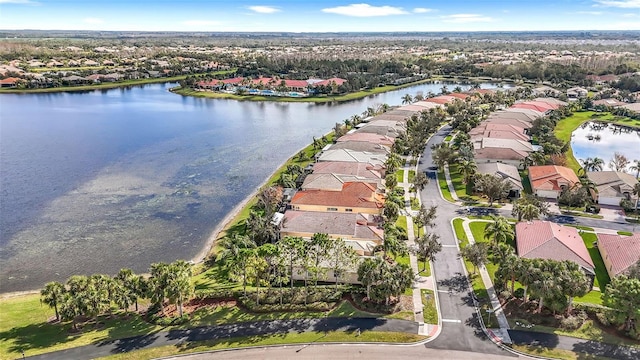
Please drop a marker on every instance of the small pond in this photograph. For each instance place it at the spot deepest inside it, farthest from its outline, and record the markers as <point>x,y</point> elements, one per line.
<point>602,140</point>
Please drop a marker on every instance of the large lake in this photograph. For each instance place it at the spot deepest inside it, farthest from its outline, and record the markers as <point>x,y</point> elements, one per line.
<point>602,140</point>
<point>96,181</point>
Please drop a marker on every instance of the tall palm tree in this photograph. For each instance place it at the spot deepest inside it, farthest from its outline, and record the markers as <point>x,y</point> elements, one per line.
<point>575,283</point>
<point>290,249</point>
<point>179,287</point>
<point>52,295</point>
<point>544,286</point>
<point>407,99</point>
<point>526,276</point>
<point>420,181</point>
<point>468,169</point>
<point>231,246</point>
<point>511,264</point>
<point>368,272</point>
<point>499,230</point>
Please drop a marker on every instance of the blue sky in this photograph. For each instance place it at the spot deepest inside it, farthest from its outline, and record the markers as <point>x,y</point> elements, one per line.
<point>320,16</point>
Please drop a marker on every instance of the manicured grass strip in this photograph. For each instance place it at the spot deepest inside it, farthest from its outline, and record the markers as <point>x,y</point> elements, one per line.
<point>429,310</point>
<point>581,227</point>
<point>588,331</point>
<point>602,277</point>
<point>553,353</point>
<point>402,223</point>
<point>289,338</point>
<point>460,234</point>
<point>411,176</point>
<point>415,203</point>
<point>625,233</point>
<point>462,190</point>
<point>400,175</point>
<point>316,99</point>
<point>442,182</point>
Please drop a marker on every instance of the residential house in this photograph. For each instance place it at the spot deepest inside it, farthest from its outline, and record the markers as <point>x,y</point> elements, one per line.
<point>355,197</point>
<point>368,137</point>
<point>549,181</point>
<point>545,91</point>
<point>345,168</point>
<point>498,131</point>
<point>91,63</point>
<point>513,114</point>
<point>530,113</point>
<point>547,240</point>
<point>362,146</point>
<point>507,172</point>
<point>613,186</point>
<point>508,121</point>
<point>351,156</point>
<point>73,79</point>
<point>509,151</point>
<point>9,82</point>
<point>384,130</point>
<point>577,92</point>
<point>335,182</point>
<point>551,101</point>
<point>619,252</point>
<point>442,99</point>
<point>362,229</point>
<point>54,63</point>
<point>608,103</point>
<point>538,106</point>
<point>426,105</point>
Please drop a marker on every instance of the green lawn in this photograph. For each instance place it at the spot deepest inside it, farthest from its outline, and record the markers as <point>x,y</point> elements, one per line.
<point>429,310</point>
<point>525,182</point>
<point>554,353</point>
<point>400,175</point>
<point>462,190</point>
<point>602,277</point>
<point>625,233</point>
<point>460,234</point>
<point>266,340</point>
<point>402,222</point>
<point>411,176</point>
<point>589,331</point>
<point>442,182</point>
<point>415,203</point>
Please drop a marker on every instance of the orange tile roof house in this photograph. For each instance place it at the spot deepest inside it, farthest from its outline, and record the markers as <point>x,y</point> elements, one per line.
<point>619,252</point>
<point>546,240</point>
<point>499,131</point>
<point>549,181</point>
<point>9,82</point>
<point>354,197</point>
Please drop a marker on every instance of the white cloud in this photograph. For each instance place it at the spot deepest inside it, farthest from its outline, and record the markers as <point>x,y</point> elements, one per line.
<point>627,4</point>
<point>92,20</point>
<point>263,9</point>
<point>628,15</point>
<point>24,2</point>
<point>422,10</point>
<point>466,18</point>
<point>590,12</point>
<point>365,10</point>
<point>200,22</point>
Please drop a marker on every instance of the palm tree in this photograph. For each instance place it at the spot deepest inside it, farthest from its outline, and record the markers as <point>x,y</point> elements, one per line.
<point>52,295</point>
<point>468,170</point>
<point>418,97</point>
<point>575,283</point>
<point>290,249</point>
<point>158,282</point>
<point>407,99</point>
<point>635,167</point>
<point>427,248</point>
<point>544,286</point>
<point>499,230</point>
<point>355,119</point>
<point>231,246</point>
<point>595,164</point>
<point>425,217</point>
<point>444,90</point>
<point>393,162</point>
<point>179,286</point>
<point>511,264</point>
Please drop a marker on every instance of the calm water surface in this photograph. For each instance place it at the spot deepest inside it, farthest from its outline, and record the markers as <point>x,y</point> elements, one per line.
<point>93,182</point>
<point>602,140</point>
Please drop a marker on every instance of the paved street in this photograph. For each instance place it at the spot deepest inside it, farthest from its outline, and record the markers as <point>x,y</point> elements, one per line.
<point>460,328</point>
<point>338,352</point>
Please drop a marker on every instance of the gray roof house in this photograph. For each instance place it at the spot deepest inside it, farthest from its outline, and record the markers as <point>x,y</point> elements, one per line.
<point>361,146</point>
<point>613,186</point>
<point>345,155</point>
<point>505,171</point>
<point>335,182</point>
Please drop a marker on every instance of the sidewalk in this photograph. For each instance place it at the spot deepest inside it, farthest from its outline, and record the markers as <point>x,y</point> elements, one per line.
<point>501,333</point>
<point>420,282</point>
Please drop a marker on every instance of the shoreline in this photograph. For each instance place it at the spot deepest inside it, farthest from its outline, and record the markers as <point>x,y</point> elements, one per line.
<point>228,219</point>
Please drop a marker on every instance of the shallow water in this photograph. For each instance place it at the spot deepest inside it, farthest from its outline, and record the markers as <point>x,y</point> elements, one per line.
<point>92,182</point>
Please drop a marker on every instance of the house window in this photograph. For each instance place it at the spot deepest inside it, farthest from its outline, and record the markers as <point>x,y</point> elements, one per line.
<point>332,209</point>
<point>348,210</point>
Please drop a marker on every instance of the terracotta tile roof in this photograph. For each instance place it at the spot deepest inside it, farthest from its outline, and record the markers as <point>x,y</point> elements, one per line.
<point>427,104</point>
<point>546,240</point>
<point>460,96</point>
<point>500,131</point>
<point>353,194</point>
<point>352,226</point>
<point>374,138</point>
<point>334,182</point>
<point>509,121</point>
<point>551,177</point>
<point>296,83</point>
<point>442,99</point>
<point>10,81</point>
<point>622,251</point>
<point>500,154</point>
<point>346,168</point>
<point>551,101</point>
<point>337,81</point>
<point>535,107</point>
